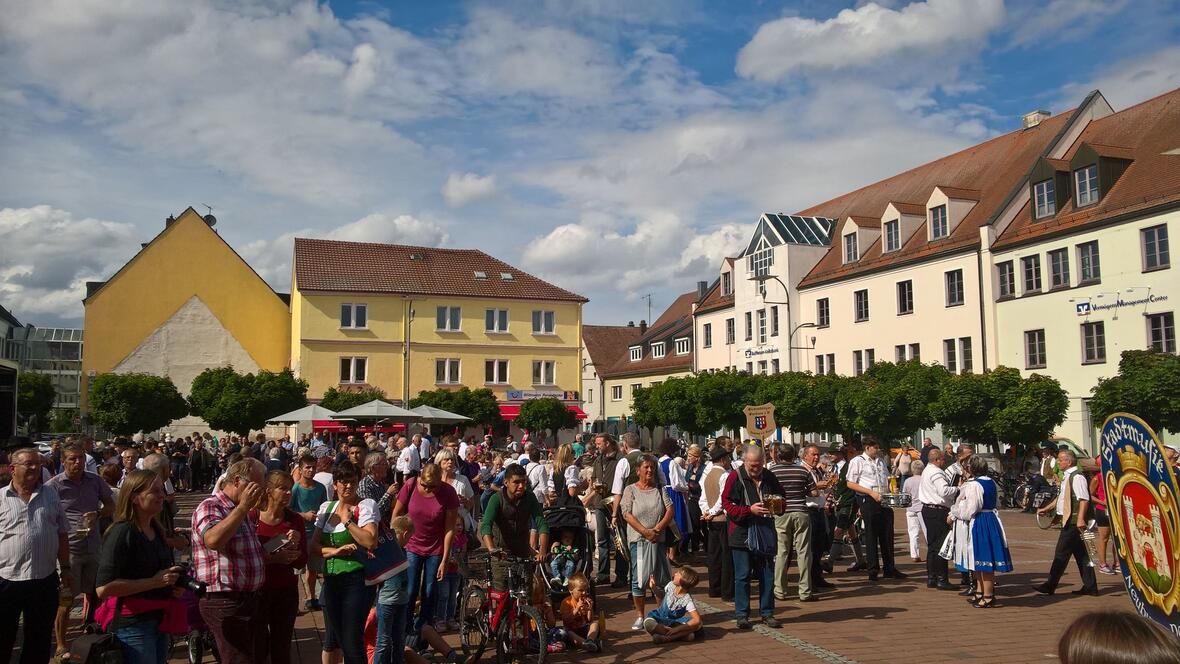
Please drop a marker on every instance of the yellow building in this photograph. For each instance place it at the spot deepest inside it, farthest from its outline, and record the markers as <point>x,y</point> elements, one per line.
<point>408,319</point>
<point>185,303</point>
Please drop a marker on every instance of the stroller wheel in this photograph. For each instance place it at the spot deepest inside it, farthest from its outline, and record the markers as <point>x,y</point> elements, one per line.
<point>196,648</point>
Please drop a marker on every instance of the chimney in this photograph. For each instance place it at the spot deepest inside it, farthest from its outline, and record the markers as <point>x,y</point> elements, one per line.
<point>1034,118</point>
<point>642,327</point>
<point>702,288</point>
<point>630,323</point>
<point>169,220</point>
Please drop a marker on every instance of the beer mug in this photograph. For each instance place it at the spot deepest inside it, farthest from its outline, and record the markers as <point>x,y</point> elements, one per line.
<point>775,504</point>
<point>893,484</point>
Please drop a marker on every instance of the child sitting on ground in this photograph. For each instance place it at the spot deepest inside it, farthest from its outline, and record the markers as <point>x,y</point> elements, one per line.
<point>564,554</point>
<point>677,618</point>
<point>577,614</point>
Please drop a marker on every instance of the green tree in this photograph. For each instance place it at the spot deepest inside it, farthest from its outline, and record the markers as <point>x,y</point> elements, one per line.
<point>547,416</point>
<point>241,403</point>
<point>1147,385</point>
<point>718,400</point>
<point>480,405</point>
<point>126,403</point>
<point>803,402</point>
<point>891,401</point>
<point>1030,412</point>
<point>62,420</point>
<point>34,399</point>
<point>338,400</point>
<point>968,403</point>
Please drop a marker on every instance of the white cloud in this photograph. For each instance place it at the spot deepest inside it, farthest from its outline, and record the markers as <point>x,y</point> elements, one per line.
<point>47,256</point>
<point>869,36</point>
<point>1060,20</point>
<point>1130,80</point>
<point>465,188</point>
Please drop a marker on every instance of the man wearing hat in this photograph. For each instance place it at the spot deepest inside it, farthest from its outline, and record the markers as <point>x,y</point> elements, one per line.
<point>720,562</point>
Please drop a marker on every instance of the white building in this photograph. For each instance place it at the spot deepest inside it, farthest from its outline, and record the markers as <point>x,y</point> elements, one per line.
<point>714,325</point>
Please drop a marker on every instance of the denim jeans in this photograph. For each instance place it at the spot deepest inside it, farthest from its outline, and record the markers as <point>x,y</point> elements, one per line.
<point>561,569</point>
<point>422,571</point>
<point>447,606</point>
<point>347,601</point>
<point>391,634</point>
<point>745,566</point>
<point>144,643</point>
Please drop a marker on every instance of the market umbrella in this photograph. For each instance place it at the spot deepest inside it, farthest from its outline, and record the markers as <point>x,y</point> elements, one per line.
<point>377,410</point>
<point>305,414</point>
<point>432,415</point>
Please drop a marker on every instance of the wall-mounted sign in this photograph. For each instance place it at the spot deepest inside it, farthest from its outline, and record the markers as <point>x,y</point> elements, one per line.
<point>760,420</point>
<point>1145,518</point>
<point>525,395</point>
<point>751,352</point>
<point>1091,306</point>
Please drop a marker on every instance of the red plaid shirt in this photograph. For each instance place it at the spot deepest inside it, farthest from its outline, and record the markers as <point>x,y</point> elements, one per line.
<point>240,565</point>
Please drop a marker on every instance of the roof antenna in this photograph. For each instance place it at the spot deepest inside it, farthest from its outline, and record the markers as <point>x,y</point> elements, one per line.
<point>209,218</point>
<point>648,298</point>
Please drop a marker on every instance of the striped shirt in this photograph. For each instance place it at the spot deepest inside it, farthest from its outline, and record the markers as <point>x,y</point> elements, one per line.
<point>797,484</point>
<point>30,534</point>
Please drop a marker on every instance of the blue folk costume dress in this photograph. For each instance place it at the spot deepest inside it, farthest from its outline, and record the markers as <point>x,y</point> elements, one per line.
<point>976,516</point>
<point>679,505</point>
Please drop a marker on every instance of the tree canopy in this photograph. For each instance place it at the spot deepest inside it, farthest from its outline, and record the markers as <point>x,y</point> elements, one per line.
<point>126,403</point>
<point>338,400</point>
<point>1147,385</point>
<point>34,399</point>
<point>891,401</point>
<point>546,416</point>
<point>241,403</point>
<point>480,405</point>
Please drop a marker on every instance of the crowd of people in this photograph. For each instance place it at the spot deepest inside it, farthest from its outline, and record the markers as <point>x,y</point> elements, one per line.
<point>286,519</point>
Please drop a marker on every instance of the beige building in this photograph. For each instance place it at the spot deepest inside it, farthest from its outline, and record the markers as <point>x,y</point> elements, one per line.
<point>602,346</point>
<point>715,326</point>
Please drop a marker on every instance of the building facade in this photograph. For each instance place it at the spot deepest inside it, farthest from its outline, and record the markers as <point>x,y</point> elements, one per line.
<point>418,318</point>
<point>55,352</point>
<point>602,346</point>
<point>715,326</point>
<point>10,351</point>
<point>151,317</point>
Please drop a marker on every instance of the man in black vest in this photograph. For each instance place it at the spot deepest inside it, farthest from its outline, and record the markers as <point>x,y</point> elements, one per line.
<point>602,478</point>
<point>507,521</point>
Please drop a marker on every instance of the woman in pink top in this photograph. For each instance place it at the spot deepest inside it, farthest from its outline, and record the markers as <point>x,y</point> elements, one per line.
<point>1102,519</point>
<point>433,507</point>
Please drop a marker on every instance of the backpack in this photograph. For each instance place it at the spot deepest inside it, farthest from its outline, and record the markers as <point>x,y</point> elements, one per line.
<point>96,649</point>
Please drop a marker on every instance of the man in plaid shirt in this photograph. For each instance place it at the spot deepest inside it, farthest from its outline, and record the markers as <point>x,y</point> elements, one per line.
<point>228,556</point>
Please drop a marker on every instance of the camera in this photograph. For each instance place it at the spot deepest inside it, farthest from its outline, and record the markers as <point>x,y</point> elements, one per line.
<point>186,581</point>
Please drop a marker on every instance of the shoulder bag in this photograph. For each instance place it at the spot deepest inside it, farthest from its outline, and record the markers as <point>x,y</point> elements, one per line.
<point>760,536</point>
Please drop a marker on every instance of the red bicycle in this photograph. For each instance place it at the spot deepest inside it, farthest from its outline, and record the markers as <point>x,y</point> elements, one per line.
<point>503,616</point>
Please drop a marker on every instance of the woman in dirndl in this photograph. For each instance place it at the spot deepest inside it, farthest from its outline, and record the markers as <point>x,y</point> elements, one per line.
<point>677,489</point>
<point>983,550</point>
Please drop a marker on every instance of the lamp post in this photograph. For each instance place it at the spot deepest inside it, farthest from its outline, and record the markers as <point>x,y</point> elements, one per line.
<point>791,341</point>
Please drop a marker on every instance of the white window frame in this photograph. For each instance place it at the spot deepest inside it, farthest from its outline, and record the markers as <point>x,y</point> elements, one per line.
<point>774,366</point>
<point>452,318</point>
<point>892,235</point>
<point>823,312</point>
<point>498,377</point>
<point>1006,279</point>
<point>761,327</point>
<point>1058,268</point>
<point>1085,180</point>
<point>858,363</point>
<point>939,222</point>
<point>1040,352</point>
<point>657,350</point>
<point>899,353</point>
<point>908,287</point>
<point>683,346</point>
<point>916,351</point>
<point>1094,342</point>
<point>1161,332</point>
<point>636,353</point>
<point>544,369</point>
<point>544,322</point>
<point>353,379</point>
<point>1045,198</point>
<point>762,259</point>
<point>851,250</point>
<point>353,308</point>
<point>856,300</point>
<point>1089,263</point>
<point>616,392</point>
<point>452,371</point>
<point>774,321</point>
<point>499,317</point>
<point>726,284</point>
<point>749,317</point>
<point>730,331</point>
<point>950,358</point>
<point>966,355</point>
<point>1033,262</point>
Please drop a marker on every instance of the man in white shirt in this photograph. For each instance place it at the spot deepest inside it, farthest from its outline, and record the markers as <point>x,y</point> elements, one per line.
<point>869,477</point>
<point>408,460</point>
<point>720,561</point>
<point>1073,506</point>
<point>936,495</point>
<point>538,473</point>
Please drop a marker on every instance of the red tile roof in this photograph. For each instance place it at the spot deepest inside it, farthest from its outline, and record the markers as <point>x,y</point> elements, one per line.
<point>912,209</point>
<point>990,171</point>
<point>675,322</point>
<point>1145,133</point>
<point>714,300</point>
<point>959,193</point>
<point>867,222</point>
<point>607,343</point>
<point>363,267</point>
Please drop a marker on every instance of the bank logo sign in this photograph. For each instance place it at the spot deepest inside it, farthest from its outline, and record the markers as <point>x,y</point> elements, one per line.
<point>1083,308</point>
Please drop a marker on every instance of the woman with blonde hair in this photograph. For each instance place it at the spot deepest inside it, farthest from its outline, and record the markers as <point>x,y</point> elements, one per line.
<point>281,532</point>
<point>565,482</point>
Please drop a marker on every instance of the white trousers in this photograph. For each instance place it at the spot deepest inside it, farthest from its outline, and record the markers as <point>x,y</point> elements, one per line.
<point>915,527</point>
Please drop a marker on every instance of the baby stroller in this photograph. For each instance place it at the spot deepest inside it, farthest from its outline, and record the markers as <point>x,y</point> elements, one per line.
<point>570,519</point>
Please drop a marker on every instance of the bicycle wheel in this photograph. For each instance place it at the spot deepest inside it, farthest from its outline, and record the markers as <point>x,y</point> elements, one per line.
<point>524,639</point>
<point>1021,497</point>
<point>1046,521</point>
<point>473,622</point>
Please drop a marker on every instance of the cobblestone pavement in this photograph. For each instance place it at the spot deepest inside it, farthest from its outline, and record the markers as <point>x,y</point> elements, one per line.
<point>888,621</point>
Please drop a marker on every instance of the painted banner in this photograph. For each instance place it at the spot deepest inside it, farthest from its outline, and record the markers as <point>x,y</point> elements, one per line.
<point>1144,517</point>
<point>760,420</point>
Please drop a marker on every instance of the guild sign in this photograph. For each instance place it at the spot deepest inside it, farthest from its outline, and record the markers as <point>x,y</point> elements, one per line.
<point>760,420</point>
<point>1141,496</point>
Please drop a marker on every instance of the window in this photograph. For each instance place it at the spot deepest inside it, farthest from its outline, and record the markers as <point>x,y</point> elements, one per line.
<point>495,320</point>
<point>1086,182</point>
<point>822,313</point>
<point>870,358</point>
<point>965,354</point>
<point>774,321</point>
<point>683,346</point>
<point>749,326</point>
<point>899,353</point>
<point>707,331</point>
<point>938,225</point>
<point>949,358</point>
<point>819,365</point>
<point>1045,197</point>
<point>1006,277</point>
<point>635,388</point>
<point>1031,266</point>
<point>544,372</point>
<point>892,235</point>
<point>616,392</point>
<point>851,253</point>
<point>774,366</point>
<point>727,283</point>
<point>905,297</point>
<point>858,363</point>
<point>861,298</point>
<point>495,372</point>
<point>543,322</point>
<point>1059,268</point>
<point>1093,342</point>
<point>762,258</point>
<point>730,333</point>
<point>954,288</point>
<point>1161,332</point>
<point>750,368</point>
<point>1091,273</point>
<point>446,371</point>
<point>762,366</point>
<point>916,352</point>
<point>590,394</point>
<point>446,319</point>
<point>761,326</point>
<point>354,316</point>
<point>657,350</point>
<point>1034,349</point>
<point>353,369</point>
<point>1155,247</point>
<point>636,353</point>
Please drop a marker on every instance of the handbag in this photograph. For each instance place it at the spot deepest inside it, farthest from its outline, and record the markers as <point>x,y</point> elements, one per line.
<point>947,550</point>
<point>760,536</point>
<point>96,649</point>
<point>385,559</point>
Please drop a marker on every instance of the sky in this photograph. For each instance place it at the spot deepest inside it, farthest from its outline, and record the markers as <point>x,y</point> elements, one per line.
<point>615,148</point>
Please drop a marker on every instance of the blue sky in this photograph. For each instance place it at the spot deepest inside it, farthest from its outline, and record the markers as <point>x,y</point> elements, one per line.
<point>616,148</point>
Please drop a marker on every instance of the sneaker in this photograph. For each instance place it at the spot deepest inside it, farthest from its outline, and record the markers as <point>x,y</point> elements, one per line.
<point>771,622</point>
<point>649,625</point>
<point>591,645</point>
<point>453,625</point>
<point>637,625</point>
<point>658,639</point>
<point>744,623</point>
<point>1106,569</point>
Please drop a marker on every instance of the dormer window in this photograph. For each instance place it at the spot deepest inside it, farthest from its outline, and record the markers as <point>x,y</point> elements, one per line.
<point>1045,196</point>
<point>636,353</point>
<point>851,252</point>
<point>657,350</point>
<point>892,235</point>
<point>938,223</point>
<point>726,284</point>
<point>1086,185</point>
